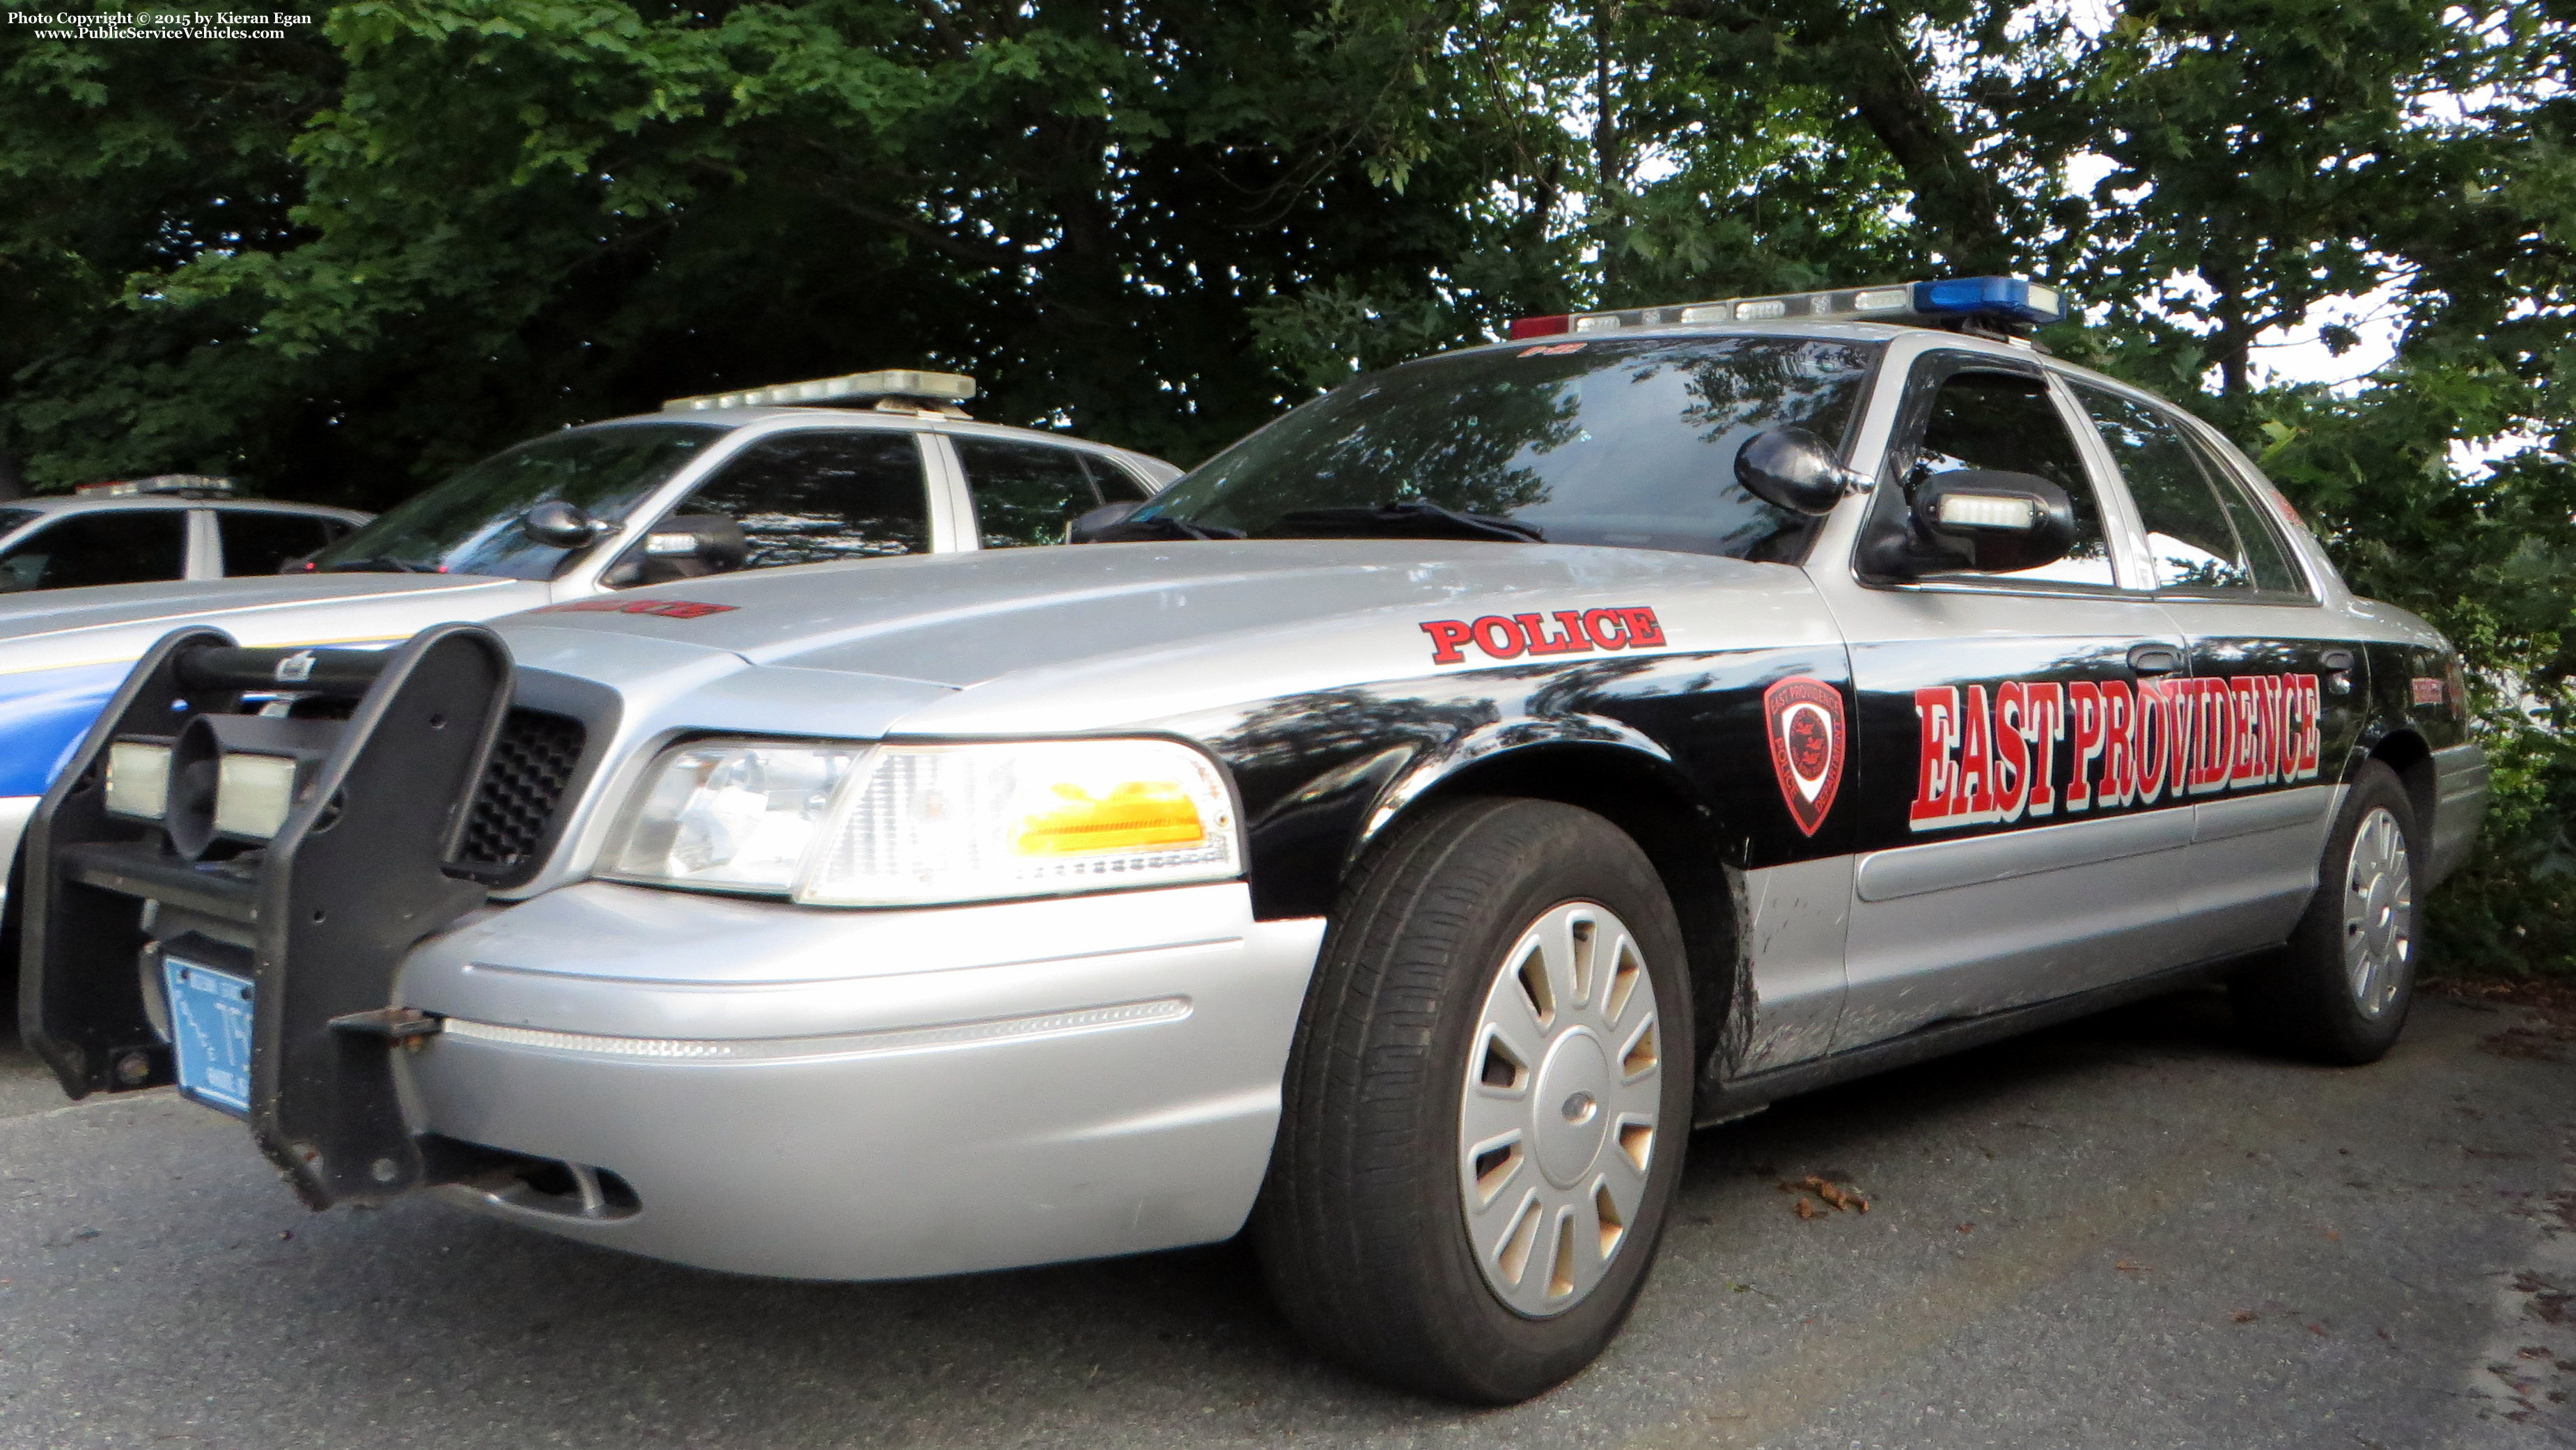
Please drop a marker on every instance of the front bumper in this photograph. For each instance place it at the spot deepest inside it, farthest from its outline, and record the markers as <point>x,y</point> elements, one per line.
<point>859,1095</point>
<point>745,1085</point>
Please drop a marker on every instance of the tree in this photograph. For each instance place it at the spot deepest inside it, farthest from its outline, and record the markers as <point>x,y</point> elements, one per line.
<point>343,263</point>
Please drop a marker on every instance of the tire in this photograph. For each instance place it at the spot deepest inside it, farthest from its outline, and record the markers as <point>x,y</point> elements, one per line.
<point>2338,993</point>
<point>1364,1226</point>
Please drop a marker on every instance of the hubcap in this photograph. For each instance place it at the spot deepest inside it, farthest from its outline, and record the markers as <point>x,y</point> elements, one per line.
<point>1557,1123</point>
<point>2378,913</point>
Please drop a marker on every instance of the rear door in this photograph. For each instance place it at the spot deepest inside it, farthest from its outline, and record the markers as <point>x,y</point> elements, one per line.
<point>1026,492</point>
<point>2016,843</point>
<point>2274,699</point>
<point>263,541</point>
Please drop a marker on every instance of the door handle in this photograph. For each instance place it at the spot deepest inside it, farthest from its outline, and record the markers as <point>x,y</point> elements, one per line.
<point>2154,659</point>
<point>2338,663</point>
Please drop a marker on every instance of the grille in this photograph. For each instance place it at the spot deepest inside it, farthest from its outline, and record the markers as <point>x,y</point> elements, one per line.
<point>533,760</point>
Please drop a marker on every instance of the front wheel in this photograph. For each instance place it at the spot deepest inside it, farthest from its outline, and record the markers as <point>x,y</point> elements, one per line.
<point>1485,1111</point>
<point>2338,993</point>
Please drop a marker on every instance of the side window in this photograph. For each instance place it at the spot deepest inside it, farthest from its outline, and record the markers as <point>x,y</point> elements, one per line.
<point>1116,484</point>
<point>262,541</point>
<point>112,546</point>
<point>1025,493</point>
<point>2008,421</point>
<point>809,498</point>
<point>2266,554</point>
<point>2197,531</point>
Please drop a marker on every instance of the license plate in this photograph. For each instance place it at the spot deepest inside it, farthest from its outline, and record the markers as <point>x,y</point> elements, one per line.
<point>210,1027</point>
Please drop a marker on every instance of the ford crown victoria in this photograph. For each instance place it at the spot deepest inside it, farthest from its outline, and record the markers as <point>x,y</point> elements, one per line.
<point>1393,839</point>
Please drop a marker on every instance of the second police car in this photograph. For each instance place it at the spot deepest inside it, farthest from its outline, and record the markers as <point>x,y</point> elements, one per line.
<point>871,465</point>
<point>1395,837</point>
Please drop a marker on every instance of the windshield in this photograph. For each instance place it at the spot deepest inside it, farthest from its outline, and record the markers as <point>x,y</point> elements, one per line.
<point>1629,442</point>
<point>470,523</point>
<point>11,519</point>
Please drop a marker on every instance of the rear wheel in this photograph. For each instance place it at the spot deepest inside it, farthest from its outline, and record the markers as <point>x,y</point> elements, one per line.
<point>1487,1104</point>
<point>2340,990</point>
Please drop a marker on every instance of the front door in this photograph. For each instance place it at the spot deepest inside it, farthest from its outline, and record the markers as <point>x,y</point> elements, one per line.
<point>2019,837</point>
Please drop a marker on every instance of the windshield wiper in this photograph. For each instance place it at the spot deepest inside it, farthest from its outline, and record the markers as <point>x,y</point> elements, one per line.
<point>1161,526</point>
<point>380,564</point>
<point>1414,519</point>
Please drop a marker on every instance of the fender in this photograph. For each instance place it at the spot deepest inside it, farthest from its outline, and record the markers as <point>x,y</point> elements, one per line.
<point>1323,773</point>
<point>1427,771</point>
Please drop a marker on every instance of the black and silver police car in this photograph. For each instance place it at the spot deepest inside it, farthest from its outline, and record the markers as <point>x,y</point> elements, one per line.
<point>1393,839</point>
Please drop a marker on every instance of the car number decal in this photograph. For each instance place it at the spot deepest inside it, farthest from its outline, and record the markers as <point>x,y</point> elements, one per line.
<point>1804,716</point>
<point>666,608</point>
<point>1995,756</point>
<point>1565,632</point>
<point>2432,691</point>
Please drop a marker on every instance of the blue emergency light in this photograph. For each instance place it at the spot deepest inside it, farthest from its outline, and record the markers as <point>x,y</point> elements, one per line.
<point>2011,301</point>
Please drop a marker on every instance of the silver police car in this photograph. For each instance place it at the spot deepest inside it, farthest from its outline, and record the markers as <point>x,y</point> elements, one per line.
<point>1395,837</point>
<point>866,466</point>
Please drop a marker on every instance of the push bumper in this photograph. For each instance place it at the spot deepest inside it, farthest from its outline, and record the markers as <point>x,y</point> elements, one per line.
<point>745,1085</point>
<point>818,1094</point>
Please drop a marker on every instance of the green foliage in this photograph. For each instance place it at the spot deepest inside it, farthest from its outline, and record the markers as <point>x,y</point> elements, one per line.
<point>344,263</point>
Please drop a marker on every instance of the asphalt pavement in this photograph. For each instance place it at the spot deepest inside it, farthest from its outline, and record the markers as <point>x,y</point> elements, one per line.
<point>2127,1232</point>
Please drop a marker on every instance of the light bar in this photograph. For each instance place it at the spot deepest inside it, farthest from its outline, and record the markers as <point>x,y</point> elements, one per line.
<point>197,484</point>
<point>1998,299</point>
<point>949,388</point>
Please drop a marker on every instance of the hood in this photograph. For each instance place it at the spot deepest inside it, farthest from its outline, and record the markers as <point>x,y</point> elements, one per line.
<point>114,623</point>
<point>1104,634</point>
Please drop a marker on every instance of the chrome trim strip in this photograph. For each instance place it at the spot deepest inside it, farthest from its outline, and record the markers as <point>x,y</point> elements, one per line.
<point>1943,865</point>
<point>2219,820</point>
<point>847,1044</point>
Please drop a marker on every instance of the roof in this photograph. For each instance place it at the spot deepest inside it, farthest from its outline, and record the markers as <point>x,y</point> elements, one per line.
<point>907,420</point>
<point>1816,328</point>
<point>1870,332</point>
<point>64,503</point>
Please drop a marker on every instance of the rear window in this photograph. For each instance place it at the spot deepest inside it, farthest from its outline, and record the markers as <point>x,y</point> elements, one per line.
<point>263,541</point>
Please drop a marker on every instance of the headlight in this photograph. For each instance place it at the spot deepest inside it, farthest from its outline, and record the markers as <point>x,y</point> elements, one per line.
<point>733,814</point>
<point>916,825</point>
<point>940,823</point>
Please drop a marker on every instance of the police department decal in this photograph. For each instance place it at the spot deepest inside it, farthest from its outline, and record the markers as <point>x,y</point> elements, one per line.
<point>1804,717</point>
<point>665,608</point>
<point>1566,631</point>
<point>2034,748</point>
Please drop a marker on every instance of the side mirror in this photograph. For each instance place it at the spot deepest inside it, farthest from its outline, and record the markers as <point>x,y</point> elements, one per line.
<point>711,540</point>
<point>2001,522</point>
<point>560,524</point>
<point>1090,526</point>
<point>1792,468</point>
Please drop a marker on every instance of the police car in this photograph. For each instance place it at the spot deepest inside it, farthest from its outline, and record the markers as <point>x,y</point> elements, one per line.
<point>152,530</point>
<point>1395,837</point>
<point>866,466</point>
